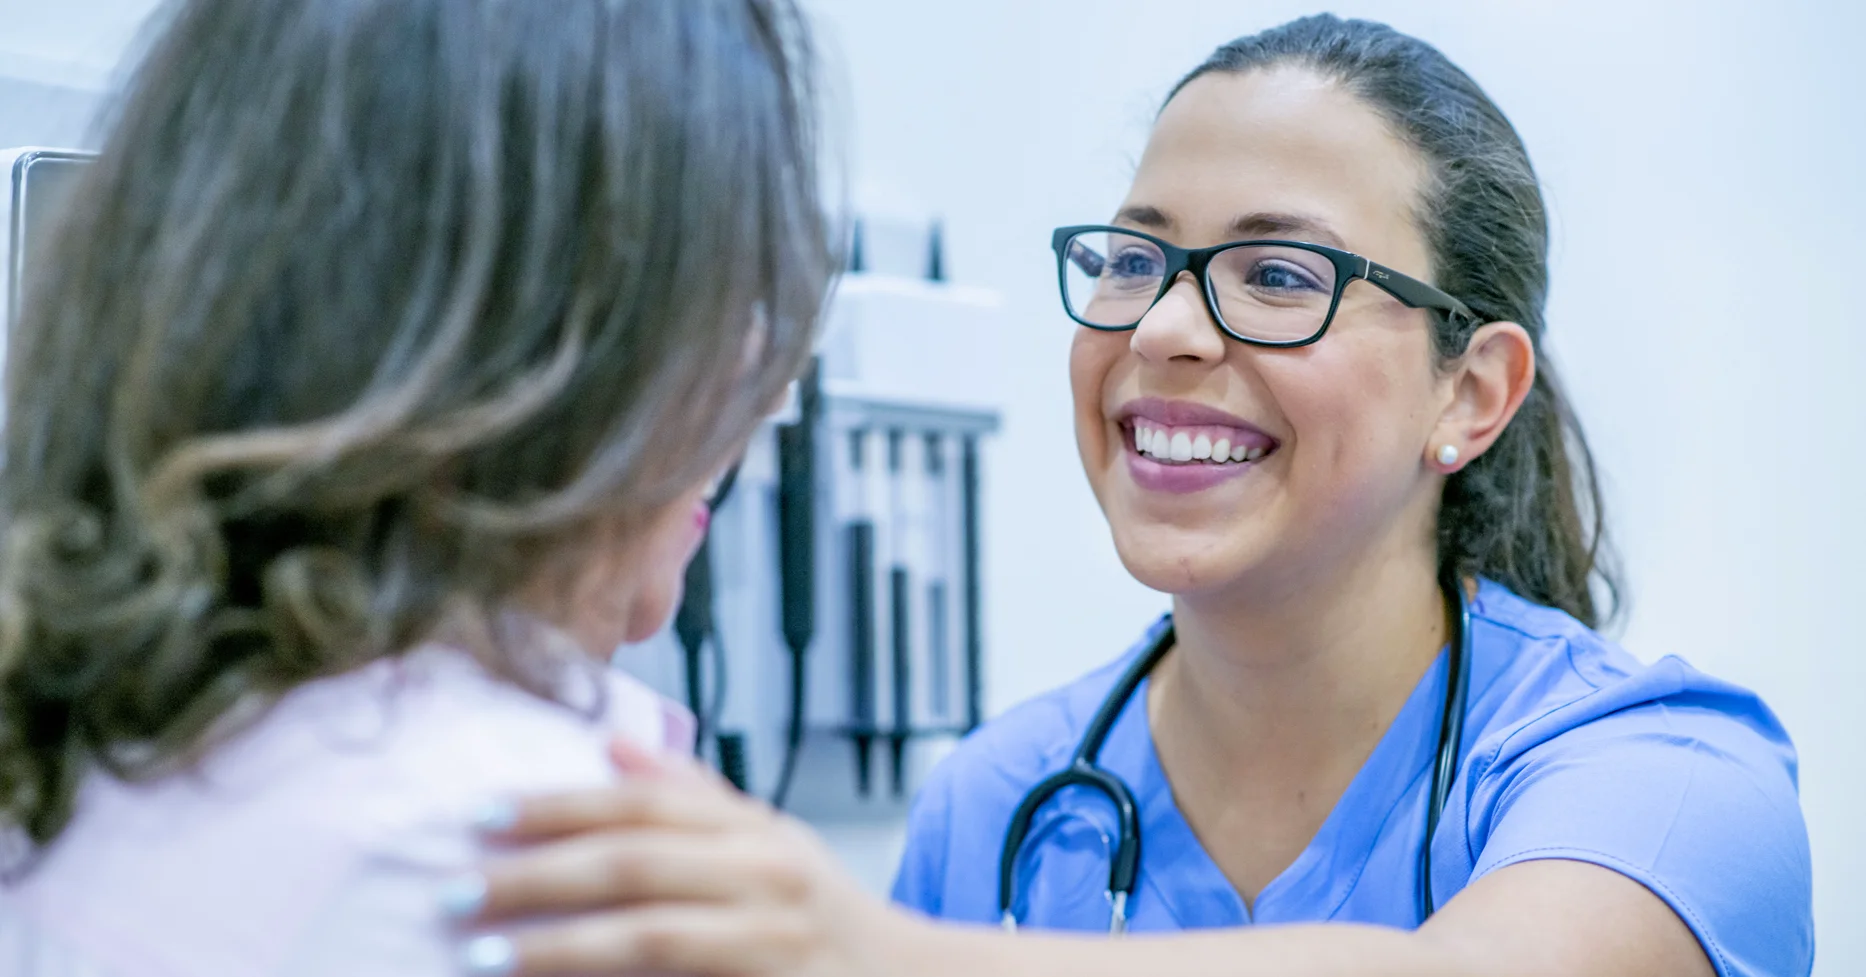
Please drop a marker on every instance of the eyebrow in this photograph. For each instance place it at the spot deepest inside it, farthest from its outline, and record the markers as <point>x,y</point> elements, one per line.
<point>1274,225</point>
<point>1151,218</point>
<point>1258,224</point>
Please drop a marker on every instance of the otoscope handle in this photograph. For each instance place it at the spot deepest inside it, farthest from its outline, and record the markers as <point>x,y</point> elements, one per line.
<point>796,444</point>
<point>797,514</point>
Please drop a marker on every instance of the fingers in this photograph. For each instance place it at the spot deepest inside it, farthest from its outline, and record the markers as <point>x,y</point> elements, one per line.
<point>642,803</point>
<point>633,760</point>
<point>673,870</point>
<point>612,869</point>
<point>677,939</point>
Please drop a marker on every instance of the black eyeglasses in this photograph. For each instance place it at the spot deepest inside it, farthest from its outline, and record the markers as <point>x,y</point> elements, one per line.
<point>1266,293</point>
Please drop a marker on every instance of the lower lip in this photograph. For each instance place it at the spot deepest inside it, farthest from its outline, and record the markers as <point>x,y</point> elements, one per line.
<point>1181,479</point>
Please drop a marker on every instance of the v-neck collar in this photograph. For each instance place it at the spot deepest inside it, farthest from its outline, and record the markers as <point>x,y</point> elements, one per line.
<point>1177,870</point>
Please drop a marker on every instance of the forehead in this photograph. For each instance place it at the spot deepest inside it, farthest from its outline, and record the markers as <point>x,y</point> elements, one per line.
<point>1283,142</point>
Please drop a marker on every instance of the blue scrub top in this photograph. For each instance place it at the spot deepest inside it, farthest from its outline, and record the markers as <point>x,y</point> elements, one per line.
<point>1573,749</point>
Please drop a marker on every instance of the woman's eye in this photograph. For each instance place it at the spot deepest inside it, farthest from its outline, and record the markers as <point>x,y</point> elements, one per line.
<point>1280,277</point>
<point>1134,263</point>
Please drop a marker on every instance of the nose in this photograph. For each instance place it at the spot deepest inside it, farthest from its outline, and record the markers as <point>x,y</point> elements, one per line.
<point>1179,327</point>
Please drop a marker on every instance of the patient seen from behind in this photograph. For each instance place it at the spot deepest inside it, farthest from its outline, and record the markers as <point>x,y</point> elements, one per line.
<point>367,400</point>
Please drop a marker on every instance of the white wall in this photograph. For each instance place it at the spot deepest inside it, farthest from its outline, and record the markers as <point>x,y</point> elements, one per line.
<point>76,42</point>
<point>1702,161</point>
<point>55,60</point>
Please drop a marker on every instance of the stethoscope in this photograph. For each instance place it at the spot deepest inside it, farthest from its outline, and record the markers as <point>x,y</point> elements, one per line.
<point>1085,771</point>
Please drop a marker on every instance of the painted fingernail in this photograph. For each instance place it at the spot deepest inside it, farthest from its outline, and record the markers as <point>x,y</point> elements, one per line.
<point>489,956</point>
<point>496,816</point>
<point>463,896</point>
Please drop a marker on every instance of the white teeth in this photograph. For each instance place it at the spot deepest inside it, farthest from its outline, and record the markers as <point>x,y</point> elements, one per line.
<point>1181,447</point>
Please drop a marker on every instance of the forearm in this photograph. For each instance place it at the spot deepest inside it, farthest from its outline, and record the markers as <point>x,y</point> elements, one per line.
<point>691,878</point>
<point>1333,950</point>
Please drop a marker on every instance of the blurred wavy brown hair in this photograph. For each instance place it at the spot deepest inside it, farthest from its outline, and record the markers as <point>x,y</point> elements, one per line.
<point>369,314</point>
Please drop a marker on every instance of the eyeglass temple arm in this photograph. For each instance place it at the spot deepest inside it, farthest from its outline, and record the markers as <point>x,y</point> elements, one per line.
<point>1412,292</point>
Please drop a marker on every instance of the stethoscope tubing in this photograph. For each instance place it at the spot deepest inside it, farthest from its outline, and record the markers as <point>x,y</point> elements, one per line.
<point>1450,737</point>
<point>1085,770</point>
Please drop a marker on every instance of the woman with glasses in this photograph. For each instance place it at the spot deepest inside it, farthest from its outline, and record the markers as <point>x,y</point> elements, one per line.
<point>1379,734</point>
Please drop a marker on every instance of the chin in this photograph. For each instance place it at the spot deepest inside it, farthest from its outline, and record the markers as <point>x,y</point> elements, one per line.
<point>650,611</point>
<point>600,628</point>
<point>1182,561</point>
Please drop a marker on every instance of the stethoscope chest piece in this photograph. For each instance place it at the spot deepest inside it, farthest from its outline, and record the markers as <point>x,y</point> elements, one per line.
<point>1117,915</point>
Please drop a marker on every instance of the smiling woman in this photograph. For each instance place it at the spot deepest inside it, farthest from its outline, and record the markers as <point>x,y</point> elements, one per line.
<point>1334,253</point>
<point>1312,401</point>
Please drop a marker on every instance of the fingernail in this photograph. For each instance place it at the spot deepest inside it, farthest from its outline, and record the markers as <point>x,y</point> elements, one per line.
<point>489,956</point>
<point>496,816</point>
<point>463,896</point>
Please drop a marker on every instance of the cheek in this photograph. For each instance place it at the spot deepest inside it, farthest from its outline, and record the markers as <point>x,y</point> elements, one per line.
<point>674,540</point>
<point>1094,364</point>
<point>1359,407</point>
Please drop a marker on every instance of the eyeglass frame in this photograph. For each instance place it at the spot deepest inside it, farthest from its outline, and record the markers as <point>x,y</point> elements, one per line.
<point>1409,291</point>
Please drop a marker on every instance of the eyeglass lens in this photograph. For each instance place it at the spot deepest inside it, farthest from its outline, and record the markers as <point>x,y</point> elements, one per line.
<point>1271,293</point>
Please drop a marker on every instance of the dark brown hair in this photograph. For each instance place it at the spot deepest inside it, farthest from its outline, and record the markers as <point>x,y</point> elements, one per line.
<point>1527,513</point>
<point>371,313</point>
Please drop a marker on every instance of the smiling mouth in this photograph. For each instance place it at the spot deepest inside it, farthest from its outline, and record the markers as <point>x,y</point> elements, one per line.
<point>1204,444</point>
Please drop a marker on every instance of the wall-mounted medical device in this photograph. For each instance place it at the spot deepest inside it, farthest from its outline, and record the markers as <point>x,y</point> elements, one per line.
<point>846,626</point>
<point>831,682</point>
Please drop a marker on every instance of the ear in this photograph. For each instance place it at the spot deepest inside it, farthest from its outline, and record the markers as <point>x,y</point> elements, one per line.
<point>1485,388</point>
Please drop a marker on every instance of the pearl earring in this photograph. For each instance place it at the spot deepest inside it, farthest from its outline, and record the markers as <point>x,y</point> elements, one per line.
<point>1448,454</point>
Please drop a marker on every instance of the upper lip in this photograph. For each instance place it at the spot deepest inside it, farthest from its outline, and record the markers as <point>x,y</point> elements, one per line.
<point>1183,413</point>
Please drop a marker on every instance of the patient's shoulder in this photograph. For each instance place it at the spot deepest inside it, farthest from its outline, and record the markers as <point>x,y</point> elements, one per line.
<point>437,726</point>
<point>376,774</point>
<point>425,733</point>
